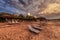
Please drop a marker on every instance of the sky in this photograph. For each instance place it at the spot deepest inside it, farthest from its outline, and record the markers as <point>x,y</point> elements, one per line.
<point>6,7</point>
<point>25,6</point>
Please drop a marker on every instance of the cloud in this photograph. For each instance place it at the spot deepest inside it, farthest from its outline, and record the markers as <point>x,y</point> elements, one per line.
<point>52,8</point>
<point>24,6</point>
<point>2,1</point>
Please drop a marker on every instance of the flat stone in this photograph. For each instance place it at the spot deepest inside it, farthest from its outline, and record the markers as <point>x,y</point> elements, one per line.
<point>36,27</point>
<point>32,29</point>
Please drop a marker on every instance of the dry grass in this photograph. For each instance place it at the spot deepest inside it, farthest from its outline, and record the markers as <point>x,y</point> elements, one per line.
<point>50,31</point>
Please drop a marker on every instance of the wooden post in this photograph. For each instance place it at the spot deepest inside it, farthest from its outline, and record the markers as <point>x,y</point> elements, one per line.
<point>16,21</point>
<point>13,21</point>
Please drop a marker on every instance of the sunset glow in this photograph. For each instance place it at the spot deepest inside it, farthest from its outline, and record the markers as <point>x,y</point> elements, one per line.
<point>29,14</point>
<point>52,8</point>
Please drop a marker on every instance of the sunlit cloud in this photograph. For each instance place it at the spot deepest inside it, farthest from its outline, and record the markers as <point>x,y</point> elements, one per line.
<point>52,8</point>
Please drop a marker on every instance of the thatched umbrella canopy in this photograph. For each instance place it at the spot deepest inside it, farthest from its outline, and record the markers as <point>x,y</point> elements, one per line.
<point>41,18</point>
<point>9,16</point>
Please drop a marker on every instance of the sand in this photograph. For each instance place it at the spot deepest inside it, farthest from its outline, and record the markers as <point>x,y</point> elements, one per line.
<point>50,31</point>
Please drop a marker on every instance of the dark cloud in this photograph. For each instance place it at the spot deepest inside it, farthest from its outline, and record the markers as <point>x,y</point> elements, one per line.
<point>22,2</point>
